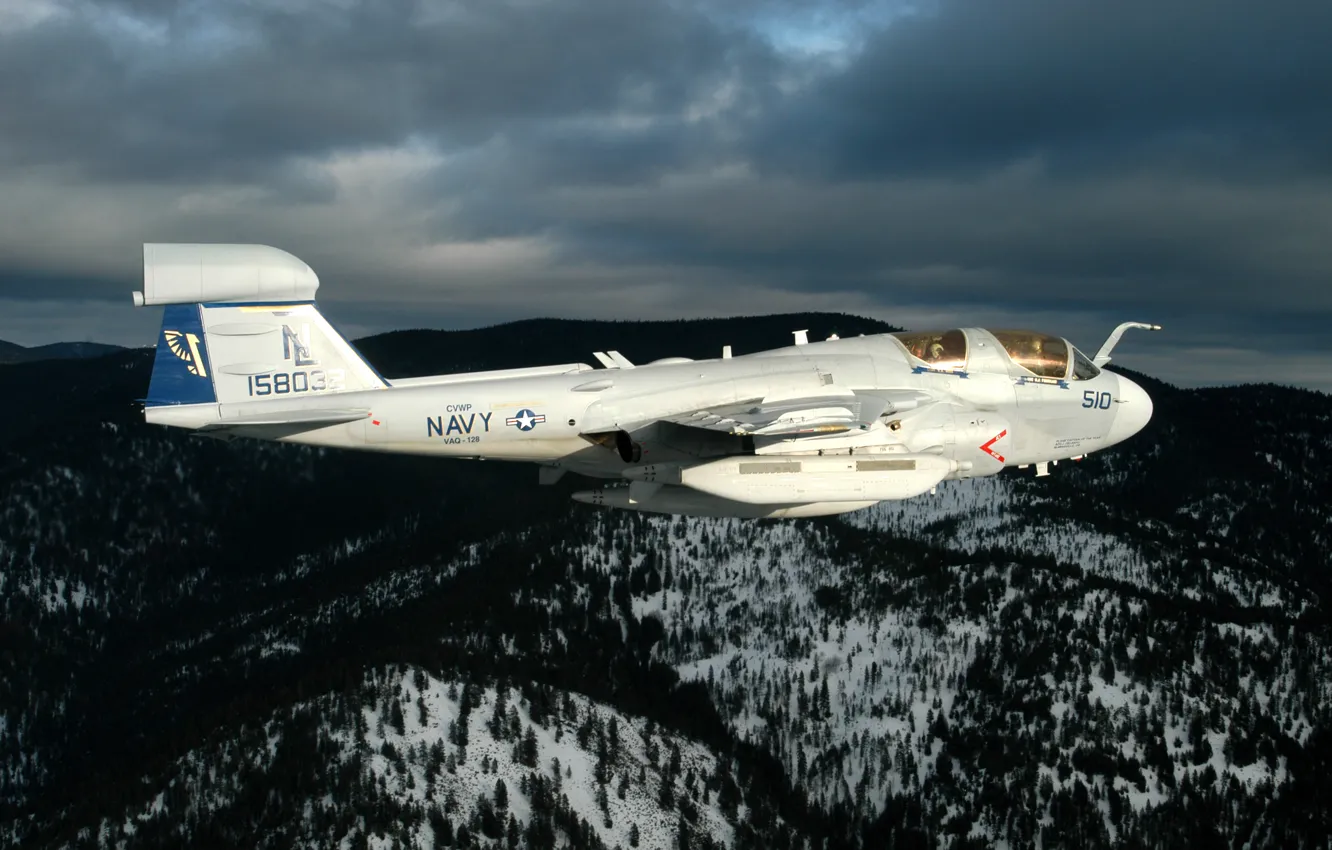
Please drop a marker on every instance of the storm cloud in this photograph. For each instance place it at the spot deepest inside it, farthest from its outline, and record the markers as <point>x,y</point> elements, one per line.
<point>1047,163</point>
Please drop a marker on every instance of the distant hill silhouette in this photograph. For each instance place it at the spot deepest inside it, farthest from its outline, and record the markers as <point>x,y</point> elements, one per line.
<point>534,342</point>
<point>11,352</point>
<point>543,341</point>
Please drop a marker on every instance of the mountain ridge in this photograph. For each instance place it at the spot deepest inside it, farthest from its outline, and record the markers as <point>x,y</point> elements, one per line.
<point>163,595</point>
<point>12,352</point>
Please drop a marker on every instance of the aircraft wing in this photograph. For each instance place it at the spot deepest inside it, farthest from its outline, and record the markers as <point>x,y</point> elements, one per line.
<point>791,403</point>
<point>821,413</point>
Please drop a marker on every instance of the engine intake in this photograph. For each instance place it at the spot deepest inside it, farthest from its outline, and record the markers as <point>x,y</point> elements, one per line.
<point>629,451</point>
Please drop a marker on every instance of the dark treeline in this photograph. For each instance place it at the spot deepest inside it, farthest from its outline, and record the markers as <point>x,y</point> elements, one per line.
<point>170,601</point>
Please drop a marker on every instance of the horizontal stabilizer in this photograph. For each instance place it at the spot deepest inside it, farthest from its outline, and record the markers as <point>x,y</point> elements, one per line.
<point>305,418</point>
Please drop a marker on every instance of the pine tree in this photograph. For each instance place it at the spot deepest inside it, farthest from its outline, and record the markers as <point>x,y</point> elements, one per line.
<point>496,724</point>
<point>603,768</point>
<point>441,827</point>
<point>527,751</point>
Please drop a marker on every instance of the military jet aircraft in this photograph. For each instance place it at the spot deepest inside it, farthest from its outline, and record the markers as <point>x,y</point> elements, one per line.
<point>811,429</point>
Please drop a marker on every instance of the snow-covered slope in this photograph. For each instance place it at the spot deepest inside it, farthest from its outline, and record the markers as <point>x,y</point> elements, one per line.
<point>885,675</point>
<point>440,763</point>
<point>1009,514</point>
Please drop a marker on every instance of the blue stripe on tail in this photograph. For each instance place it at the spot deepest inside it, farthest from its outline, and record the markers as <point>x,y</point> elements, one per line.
<point>182,373</point>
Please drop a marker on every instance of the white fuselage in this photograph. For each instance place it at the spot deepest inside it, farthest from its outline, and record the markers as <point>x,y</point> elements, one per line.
<point>813,428</point>
<point>993,417</point>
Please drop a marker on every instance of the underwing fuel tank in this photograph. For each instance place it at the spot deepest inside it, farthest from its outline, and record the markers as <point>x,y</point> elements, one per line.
<point>672,499</point>
<point>783,480</point>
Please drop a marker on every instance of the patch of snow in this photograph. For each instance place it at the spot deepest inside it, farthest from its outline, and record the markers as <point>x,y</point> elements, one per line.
<point>981,513</point>
<point>281,648</point>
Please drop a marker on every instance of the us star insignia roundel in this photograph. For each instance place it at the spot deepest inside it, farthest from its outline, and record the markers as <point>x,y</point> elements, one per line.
<point>525,419</point>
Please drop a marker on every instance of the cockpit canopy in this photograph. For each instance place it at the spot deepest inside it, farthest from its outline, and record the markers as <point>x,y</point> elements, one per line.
<point>1046,356</point>
<point>1042,355</point>
<point>945,350</point>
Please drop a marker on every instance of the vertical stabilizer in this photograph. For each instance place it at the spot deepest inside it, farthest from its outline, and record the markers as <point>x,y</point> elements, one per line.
<point>182,373</point>
<point>241,326</point>
<point>261,352</point>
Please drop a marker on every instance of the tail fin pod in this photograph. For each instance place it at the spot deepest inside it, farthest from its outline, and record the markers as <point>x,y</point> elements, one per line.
<point>190,273</point>
<point>241,326</point>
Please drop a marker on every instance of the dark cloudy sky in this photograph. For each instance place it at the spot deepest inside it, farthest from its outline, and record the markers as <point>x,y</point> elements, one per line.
<point>1059,164</point>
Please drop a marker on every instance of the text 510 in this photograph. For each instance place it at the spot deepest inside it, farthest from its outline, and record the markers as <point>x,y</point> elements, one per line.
<point>1096,401</point>
<point>282,383</point>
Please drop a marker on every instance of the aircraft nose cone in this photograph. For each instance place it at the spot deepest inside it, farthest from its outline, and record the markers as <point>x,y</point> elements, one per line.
<point>1133,410</point>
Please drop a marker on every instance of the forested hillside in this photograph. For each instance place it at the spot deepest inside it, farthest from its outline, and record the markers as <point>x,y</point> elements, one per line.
<point>249,644</point>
